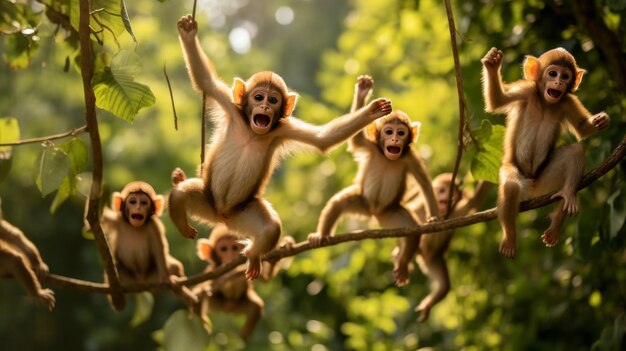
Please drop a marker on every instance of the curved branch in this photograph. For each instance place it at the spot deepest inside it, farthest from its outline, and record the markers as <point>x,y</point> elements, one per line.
<point>437,227</point>
<point>459,88</point>
<point>72,132</point>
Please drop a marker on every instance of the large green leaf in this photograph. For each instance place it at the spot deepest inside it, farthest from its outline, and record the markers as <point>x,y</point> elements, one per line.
<point>487,162</point>
<point>77,154</point>
<point>53,164</point>
<point>9,132</point>
<point>143,309</point>
<point>184,332</point>
<point>116,90</point>
<point>617,210</point>
<point>106,17</point>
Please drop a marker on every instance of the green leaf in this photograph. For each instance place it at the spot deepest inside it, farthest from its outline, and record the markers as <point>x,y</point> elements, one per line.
<point>53,168</point>
<point>617,210</point>
<point>62,194</point>
<point>486,164</point>
<point>106,17</point>
<point>78,154</point>
<point>143,309</point>
<point>115,88</point>
<point>9,132</point>
<point>126,21</point>
<point>184,332</point>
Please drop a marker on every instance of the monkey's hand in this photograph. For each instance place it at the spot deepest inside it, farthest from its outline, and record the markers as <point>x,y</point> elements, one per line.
<point>287,242</point>
<point>178,175</point>
<point>432,219</point>
<point>45,297</point>
<point>187,28</point>
<point>317,239</point>
<point>570,204</point>
<point>379,108</point>
<point>42,270</point>
<point>601,120</point>
<point>493,59</point>
<point>363,87</point>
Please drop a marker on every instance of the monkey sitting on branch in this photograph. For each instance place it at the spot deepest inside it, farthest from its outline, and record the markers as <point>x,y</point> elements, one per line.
<point>137,239</point>
<point>231,292</point>
<point>20,259</point>
<point>537,108</point>
<point>385,159</point>
<point>253,131</point>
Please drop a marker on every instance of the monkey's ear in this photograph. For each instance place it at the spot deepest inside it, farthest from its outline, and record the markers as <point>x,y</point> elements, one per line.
<point>290,104</point>
<point>204,249</point>
<point>158,205</point>
<point>531,67</point>
<point>370,132</point>
<point>239,89</point>
<point>579,78</point>
<point>116,201</point>
<point>415,130</point>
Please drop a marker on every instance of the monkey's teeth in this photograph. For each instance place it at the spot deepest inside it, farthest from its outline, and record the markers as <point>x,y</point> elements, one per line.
<point>393,149</point>
<point>137,216</point>
<point>554,93</point>
<point>261,120</point>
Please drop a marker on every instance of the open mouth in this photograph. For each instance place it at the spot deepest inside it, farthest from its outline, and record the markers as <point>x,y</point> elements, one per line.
<point>394,150</point>
<point>554,93</point>
<point>137,216</point>
<point>261,120</point>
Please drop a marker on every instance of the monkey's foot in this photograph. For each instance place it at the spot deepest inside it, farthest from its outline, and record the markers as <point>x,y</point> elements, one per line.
<point>253,270</point>
<point>551,236</point>
<point>401,274</point>
<point>423,309</point>
<point>570,204</point>
<point>507,247</point>
<point>189,298</point>
<point>46,298</point>
<point>189,232</point>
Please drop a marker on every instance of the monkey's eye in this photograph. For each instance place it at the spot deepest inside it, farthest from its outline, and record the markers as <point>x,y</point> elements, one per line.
<point>144,202</point>
<point>223,248</point>
<point>132,201</point>
<point>552,74</point>
<point>258,97</point>
<point>565,76</point>
<point>272,100</point>
<point>235,248</point>
<point>388,131</point>
<point>401,133</point>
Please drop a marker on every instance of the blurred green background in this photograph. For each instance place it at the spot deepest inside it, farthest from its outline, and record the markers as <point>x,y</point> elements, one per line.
<point>570,297</point>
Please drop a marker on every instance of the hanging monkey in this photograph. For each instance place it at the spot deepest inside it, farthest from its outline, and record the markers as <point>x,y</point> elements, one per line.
<point>537,108</point>
<point>138,242</point>
<point>253,131</point>
<point>385,158</point>
<point>432,247</point>
<point>231,292</point>
<point>20,259</point>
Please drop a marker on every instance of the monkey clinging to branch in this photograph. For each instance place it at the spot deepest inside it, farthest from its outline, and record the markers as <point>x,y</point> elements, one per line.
<point>253,131</point>
<point>537,108</point>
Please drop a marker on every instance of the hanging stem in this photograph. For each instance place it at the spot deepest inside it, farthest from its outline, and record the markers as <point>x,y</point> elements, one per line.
<point>462,106</point>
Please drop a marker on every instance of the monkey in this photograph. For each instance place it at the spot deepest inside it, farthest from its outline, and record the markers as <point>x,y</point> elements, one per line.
<point>20,259</point>
<point>432,247</point>
<point>254,129</point>
<point>231,292</point>
<point>537,108</point>
<point>385,157</point>
<point>137,238</point>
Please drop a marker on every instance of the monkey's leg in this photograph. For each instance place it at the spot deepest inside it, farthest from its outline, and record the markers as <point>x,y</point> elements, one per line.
<point>348,200</point>
<point>562,174</point>
<point>509,195</point>
<point>188,197</point>
<point>436,268</point>
<point>399,217</point>
<point>258,220</point>
<point>20,269</point>
<point>252,307</point>
<point>177,271</point>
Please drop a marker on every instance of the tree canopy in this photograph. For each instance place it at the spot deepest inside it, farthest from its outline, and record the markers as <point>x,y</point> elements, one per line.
<point>568,297</point>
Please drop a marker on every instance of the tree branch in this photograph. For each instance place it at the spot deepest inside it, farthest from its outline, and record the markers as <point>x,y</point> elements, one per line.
<point>435,228</point>
<point>72,132</point>
<point>93,213</point>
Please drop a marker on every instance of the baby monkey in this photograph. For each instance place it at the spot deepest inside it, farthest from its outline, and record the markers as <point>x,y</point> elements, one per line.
<point>383,151</point>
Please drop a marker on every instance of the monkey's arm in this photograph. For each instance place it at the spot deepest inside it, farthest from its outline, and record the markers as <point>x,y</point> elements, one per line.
<point>362,94</point>
<point>470,205</point>
<point>580,121</point>
<point>201,71</point>
<point>334,132</point>
<point>159,248</point>
<point>498,96</point>
<point>418,170</point>
<point>14,236</point>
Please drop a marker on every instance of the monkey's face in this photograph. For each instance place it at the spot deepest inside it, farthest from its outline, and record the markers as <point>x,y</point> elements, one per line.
<point>227,249</point>
<point>263,108</point>
<point>394,137</point>
<point>555,82</point>
<point>442,192</point>
<point>138,207</point>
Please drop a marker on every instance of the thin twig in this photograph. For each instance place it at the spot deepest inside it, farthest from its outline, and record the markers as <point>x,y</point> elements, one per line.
<point>169,86</point>
<point>72,132</point>
<point>193,12</point>
<point>459,87</point>
<point>434,228</point>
